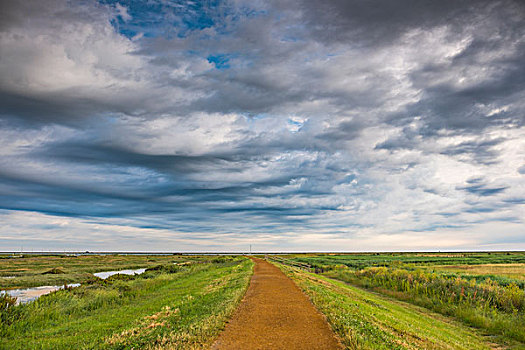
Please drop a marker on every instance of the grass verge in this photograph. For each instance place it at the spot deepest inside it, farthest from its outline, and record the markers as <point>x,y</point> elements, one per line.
<point>366,320</point>
<point>497,309</point>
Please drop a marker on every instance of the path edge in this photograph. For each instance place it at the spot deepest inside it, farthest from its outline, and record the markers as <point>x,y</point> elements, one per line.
<point>213,342</point>
<point>336,336</point>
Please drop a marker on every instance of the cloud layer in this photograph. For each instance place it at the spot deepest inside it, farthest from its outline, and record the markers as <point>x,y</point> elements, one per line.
<point>289,125</point>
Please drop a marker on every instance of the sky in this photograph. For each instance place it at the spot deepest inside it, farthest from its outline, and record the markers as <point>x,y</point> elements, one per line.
<point>338,125</point>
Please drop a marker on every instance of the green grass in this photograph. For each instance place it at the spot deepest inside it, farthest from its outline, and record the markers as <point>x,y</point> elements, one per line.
<point>504,274</point>
<point>362,260</point>
<point>33,271</point>
<point>166,308</point>
<point>366,320</point>
<point>185,305</point>
<point>484,290</point>
<point>499,310</point>
<point>516,271</point>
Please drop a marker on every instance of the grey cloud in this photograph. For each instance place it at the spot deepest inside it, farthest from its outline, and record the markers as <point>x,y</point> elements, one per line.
<point>512,201</point>
<point>49,108</point>
<point>381,21</point>
<point>118,155</point>
<point>480,210</point>
<point>478,187</point>
<point>408,139</point>
<point>481,151</point>
<point>313,95</point>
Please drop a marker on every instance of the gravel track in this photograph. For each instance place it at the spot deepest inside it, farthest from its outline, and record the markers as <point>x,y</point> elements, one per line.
<point>275,314</point>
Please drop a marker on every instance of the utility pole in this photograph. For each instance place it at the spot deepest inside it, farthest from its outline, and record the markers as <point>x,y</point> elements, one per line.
<point>250,249</point>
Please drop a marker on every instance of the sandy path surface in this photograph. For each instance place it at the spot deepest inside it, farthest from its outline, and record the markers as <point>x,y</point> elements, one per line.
<point>275,314</point>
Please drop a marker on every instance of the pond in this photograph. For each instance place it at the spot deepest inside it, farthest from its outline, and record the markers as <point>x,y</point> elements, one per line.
<point>106,274</point>
<point>29,294</point>
<point>26,295</point>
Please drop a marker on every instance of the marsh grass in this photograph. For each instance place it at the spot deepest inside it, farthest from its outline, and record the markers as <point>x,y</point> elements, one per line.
<point>367,320</point>
<point>484,290</point>
<point>498,309</point>
<point>503,273</point>
<point>363,260</point>
<point>40,270</point>
<point>162,308</point>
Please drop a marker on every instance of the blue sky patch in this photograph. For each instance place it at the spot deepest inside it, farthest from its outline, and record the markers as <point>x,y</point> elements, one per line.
<point>221,61</point>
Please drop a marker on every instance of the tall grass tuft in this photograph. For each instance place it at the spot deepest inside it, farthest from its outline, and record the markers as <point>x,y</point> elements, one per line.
<point>485,304</point>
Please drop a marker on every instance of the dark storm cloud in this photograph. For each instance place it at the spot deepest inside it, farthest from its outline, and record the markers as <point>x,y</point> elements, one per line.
<point>97,154</point>
<point>447,107</point>
<point>180,205</point>
<point>67,200</point>
<point>379,22</point>
<point>48,109</point>
<point>170,190</point>
<point>252,151</point>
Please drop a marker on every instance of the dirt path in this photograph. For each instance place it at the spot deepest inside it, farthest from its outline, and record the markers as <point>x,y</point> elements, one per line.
<point>275,314</point>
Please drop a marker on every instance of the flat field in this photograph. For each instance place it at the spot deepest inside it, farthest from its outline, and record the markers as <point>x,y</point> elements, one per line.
<point>170,306</point>
<point>367,320</point>
<point>371,301</point>
<point>39,270</point>
<point>482,291</point>
<point>510,271</point>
